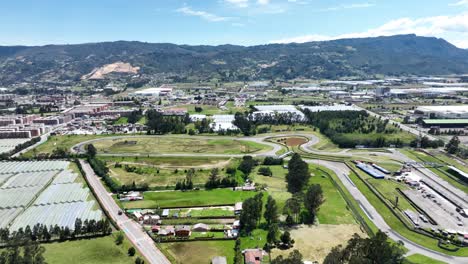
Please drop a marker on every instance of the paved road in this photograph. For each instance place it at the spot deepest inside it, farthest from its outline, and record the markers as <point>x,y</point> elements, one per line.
<point>342,171</point>
<point>132,230</point>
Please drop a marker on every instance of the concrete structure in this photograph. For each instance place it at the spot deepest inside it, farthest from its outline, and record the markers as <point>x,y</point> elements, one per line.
<point>336,107</point>
<point>153,92</point>
<point>443,111</point>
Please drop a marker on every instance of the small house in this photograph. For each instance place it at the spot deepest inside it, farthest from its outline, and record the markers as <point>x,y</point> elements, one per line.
<point>138,215</point>
<point>253,256</point>
<point>238,208</point>
<point>219,260</point>
<point>151,219</point>
<point>165,213</point>
<point>166,231</point>
<point>200,227</point>
<point>182,231</point>
<point>155,228</point>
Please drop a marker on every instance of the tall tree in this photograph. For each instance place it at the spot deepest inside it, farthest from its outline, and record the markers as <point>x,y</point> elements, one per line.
<point>91,150</point>
<point>271,211</point>
<point>312,200</point>
<point>298,174</point>
<point>376,249</point>
<point>453,146</point>
<point>272,235</point>
<point>293,207</point>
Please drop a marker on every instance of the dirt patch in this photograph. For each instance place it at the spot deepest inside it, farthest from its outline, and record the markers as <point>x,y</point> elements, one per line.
<point>295,141</point>
<point>315,242</point>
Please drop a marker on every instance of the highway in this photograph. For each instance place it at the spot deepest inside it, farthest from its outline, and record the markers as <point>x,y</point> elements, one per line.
<point>132,230</point>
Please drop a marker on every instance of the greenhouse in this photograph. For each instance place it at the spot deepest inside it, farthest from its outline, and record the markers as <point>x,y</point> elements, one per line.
<point>62,193</point>
<point>63,215</point>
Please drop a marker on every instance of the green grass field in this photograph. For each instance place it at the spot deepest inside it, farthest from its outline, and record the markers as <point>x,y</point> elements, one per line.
<point>198,251</point>
<point>421,259</point>
<point>89,251</point>
<point>121,121</point>
<point>156,177</point>
<point>64,142</point>
<point>189,198</point>
<point>192,145</point>
<point>164,171</point>
<point>333,210</point>
<point>172,162</point>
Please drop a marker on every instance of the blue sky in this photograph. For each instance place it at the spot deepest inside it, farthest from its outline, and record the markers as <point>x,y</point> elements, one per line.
<point>213,22</point>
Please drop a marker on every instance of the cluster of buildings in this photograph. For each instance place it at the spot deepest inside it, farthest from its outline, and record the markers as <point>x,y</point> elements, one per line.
<point>26,126</point>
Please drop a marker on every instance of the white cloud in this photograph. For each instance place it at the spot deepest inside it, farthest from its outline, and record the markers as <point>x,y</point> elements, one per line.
<point>348,6</point>
<point>459,3</point>
<point>202,14</point>
<point>238,3</point>
<point>452,28</point>
<point>263,2</point>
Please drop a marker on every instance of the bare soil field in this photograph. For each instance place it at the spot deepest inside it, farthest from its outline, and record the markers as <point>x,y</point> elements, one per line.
<point>315,242</point>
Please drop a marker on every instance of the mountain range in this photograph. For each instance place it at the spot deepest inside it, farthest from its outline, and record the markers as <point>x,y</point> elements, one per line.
<point>397,55</point>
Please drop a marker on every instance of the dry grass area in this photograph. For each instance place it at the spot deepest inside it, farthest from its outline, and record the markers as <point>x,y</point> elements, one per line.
<point>315,242</point>
<point>295,141</point>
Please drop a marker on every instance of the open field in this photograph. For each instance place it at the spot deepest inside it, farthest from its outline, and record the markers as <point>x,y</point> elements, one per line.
<point>193,145</point>
<point>89,251</point>
<point>173,162</point>
<point>155,177</point>
<point>163,171</point>
<point>198,251</point>
<point>189,198</point>
<point>332,211</point>
<point>315,242</point>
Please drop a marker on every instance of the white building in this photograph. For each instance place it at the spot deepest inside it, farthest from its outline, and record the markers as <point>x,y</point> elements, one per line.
<point>336,107</point>
<point>443,111</point>
<point>153,92</point>
<point>223,122</point>
<point>278,109</point>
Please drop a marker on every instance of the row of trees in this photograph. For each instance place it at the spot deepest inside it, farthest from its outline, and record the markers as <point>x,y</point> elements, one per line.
<point>248,122</point>
<point>158,123</point>
<point>41,232</point>
<point>337,125</point>
<point>215,181</point>
<point>297,179</point>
